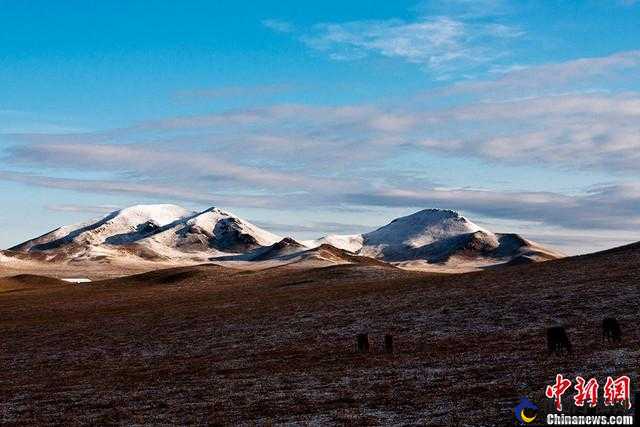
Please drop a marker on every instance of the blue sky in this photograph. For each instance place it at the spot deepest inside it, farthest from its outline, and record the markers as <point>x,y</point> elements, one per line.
<point>330,117</point>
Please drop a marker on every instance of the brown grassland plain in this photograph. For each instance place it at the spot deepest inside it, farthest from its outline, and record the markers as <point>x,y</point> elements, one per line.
<point>213,345</point>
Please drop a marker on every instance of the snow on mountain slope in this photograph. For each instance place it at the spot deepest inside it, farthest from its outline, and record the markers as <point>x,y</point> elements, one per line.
<point>153,231</point>
<point>171,233</point>
<point>439,236</point>
<point>212,230</point>
<point>348,242</point>
<point>422,228</point>
<point>129,223</point>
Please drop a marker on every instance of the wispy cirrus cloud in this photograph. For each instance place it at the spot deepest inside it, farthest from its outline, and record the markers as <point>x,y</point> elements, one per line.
<point>445,37</point>
<point>571,132</point>
<point>152,189</point>
<point>580,74</point>
<point>300,145</point>
<point>440,44</point>
<point>146,161</point>
<point>574,131</point>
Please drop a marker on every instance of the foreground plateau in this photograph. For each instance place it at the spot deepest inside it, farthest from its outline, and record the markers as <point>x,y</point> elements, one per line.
<point>215,345</point>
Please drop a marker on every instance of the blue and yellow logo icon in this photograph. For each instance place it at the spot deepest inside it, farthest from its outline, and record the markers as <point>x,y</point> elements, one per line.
<point>526,411</point>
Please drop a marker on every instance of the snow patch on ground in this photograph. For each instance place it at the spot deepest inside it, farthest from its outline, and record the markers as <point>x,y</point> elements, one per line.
<point>77,280</point>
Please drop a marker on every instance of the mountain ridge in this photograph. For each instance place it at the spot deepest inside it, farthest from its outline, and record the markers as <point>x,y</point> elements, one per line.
<point>172,233</point>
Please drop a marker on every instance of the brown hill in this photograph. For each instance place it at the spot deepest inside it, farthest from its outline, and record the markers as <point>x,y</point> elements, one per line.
<point>283,248</point>
<point>331,253</point>
<point>30,281</point>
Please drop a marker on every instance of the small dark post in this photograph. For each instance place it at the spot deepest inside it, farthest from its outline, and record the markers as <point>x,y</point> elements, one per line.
<point>362,342</point>
<point>388,344</point>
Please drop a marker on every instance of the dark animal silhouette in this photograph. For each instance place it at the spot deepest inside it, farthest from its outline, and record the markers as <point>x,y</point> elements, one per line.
<point>557,340</point>
<point>388,344</point>
<point>611,330</point>
<point>362,343</point>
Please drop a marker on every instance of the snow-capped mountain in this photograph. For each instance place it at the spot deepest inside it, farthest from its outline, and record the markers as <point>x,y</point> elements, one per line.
<point>212,229</point>
<point>172,233</point>
<point>153,232</point>
<point>402,236</point>
<point>439,236</point>
<point>136,221</point>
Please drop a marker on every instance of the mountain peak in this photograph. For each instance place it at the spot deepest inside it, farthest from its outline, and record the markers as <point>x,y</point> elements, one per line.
<point>213,209</point>
<point>161,214</point>
<point>421,228</point>
<point>433,214</point>
<point>449,212</point>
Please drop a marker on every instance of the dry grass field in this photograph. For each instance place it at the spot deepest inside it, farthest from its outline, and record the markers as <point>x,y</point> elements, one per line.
<point>213,345</point>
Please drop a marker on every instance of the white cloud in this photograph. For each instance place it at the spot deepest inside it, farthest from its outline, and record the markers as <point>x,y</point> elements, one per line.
<point>146,188</point>
<point>298,145</point>
<point>570,131</point>
<point>573,132</point>
<point>149,161</point>
<point>441,44</point>
<point>581,74</point>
